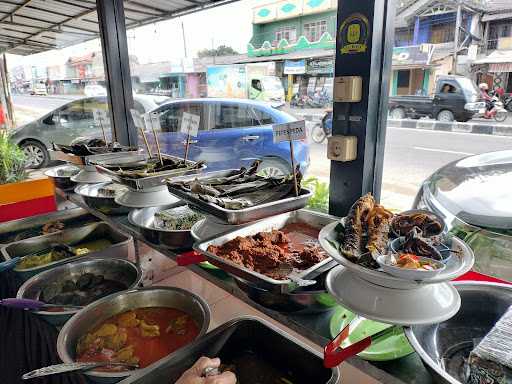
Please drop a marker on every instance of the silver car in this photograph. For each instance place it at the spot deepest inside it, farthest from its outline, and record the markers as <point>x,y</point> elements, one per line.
<point>66,123</point>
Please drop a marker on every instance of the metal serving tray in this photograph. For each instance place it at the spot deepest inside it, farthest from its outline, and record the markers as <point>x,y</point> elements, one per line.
<point>314,219</point>
<point>245,215</point>
<point>250,334</point>
<point>155,180</point>
<point>119,248</point>
<point>70,217</point>
<point>107,158</point>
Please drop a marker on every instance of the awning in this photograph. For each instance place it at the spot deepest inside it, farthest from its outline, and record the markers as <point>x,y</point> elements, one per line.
<point>500,67</point>
<point>496,57</point>
<point>33,26</point>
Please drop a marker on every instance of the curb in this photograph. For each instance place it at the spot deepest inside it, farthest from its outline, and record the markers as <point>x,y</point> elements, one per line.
<point>433,125</point>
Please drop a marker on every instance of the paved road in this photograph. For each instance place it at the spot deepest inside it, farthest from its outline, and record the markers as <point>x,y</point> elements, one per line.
<point>43,103</point>
<point>414,154</point>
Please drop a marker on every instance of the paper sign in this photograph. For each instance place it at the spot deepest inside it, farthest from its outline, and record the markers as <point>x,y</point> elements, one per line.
<point>147,120</point>
<point>155,121</point>
<point>100,117</point>
<point>190,124</point>
<point>289,131</point>
<point>137,118</point>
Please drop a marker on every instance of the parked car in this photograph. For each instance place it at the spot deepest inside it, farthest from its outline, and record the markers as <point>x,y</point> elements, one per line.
<point>473,195</point>
<point>455,98</point>
<point>66,123</point>
<point>95,90</point>
<point>232,133</point>
<point>39,89</point>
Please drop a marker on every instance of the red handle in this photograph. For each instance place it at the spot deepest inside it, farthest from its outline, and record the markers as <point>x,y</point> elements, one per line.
<point>189,258</point>
<point>334,355</point>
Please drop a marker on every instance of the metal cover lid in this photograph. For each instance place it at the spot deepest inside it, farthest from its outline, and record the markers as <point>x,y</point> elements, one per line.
<point>477,189</point>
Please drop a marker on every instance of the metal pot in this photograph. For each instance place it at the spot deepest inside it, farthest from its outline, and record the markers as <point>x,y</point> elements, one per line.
<point>238,336</point>
<point>444,346</point>
<point>120,270</point>
<point>101,310</point>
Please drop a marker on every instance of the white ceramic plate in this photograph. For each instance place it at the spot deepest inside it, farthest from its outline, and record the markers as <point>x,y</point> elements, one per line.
<point>154,198</point>
<point>458,264</point>
<point>427,304</point>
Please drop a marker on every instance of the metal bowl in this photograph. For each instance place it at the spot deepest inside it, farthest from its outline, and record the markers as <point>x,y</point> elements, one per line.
<point>104,204</point>
<point>63,182</point>
<point>174,239</point>
<point>101,310</point>
<point>444,346</point>
<point>120,270</point>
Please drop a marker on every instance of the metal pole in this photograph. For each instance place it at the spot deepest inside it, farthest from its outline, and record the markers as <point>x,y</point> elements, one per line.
<point>117,69</point>
<point>184,40</point>
<point>456,37</point>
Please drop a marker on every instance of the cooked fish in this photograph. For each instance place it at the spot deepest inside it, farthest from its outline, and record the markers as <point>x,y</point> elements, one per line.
<point>355,227</point>
<point>379,221</point>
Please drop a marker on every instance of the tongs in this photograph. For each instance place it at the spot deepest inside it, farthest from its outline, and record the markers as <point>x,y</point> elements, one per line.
<point>334,354</point>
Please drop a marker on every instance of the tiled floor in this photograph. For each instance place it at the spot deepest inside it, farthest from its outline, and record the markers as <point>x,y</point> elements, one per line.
<point>225,307</point>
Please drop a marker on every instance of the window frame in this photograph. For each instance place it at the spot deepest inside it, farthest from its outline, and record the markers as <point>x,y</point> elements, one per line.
<point>317,28</point>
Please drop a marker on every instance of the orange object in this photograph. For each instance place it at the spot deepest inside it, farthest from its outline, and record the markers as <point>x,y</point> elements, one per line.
<point>26,190</point>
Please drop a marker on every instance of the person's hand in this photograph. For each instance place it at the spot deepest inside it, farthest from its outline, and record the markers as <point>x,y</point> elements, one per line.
<point>194,374</point>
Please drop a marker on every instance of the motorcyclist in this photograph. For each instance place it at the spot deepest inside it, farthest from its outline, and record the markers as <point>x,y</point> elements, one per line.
<point>484,93</point>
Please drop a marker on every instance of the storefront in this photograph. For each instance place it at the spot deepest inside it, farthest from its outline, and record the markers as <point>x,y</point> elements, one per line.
<point>138,255</point>
<point>495,69</point>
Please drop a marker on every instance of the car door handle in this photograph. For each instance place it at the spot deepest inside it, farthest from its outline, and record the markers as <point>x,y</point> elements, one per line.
<point>249,138</point>
<point>184,142</point>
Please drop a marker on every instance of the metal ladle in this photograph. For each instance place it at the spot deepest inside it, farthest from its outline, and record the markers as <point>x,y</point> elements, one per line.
<point>73,367</point>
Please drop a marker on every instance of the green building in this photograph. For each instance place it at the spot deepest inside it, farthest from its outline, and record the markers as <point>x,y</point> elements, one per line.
<point>299,35</point>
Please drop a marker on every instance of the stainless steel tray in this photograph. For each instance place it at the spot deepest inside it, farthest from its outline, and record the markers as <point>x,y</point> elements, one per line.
<point>24,248</point>
<point>67,216</point>
<point>144,219</point>
<point>109,158</point>
<point>245,215</point>
<point>156,179</point>
<point>314,219</point>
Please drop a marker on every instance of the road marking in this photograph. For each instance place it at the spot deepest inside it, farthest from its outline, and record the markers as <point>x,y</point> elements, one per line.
<point>443,151</point>
<point>433,131</point>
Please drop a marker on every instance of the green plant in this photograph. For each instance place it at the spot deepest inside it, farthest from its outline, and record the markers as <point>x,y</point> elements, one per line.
<point>320,199</point>
<point>12,161</point>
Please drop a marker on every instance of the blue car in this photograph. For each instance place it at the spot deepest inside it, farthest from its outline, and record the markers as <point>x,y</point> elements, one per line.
<point>232,133</point>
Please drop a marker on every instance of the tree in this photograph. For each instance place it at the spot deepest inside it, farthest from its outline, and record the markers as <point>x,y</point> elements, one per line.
<point>221,50</point>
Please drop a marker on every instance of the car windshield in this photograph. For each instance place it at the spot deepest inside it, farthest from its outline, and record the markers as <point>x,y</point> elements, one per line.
<point>469,88</point>
<point>271,84</point>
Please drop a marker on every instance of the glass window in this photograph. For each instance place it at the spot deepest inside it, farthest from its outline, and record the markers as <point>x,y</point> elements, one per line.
<point>233,116</point>
<point>72,112</point>
<point>171,115</point>
<point>287,33</point>
<point>263,117</point>
<point>313,31</point>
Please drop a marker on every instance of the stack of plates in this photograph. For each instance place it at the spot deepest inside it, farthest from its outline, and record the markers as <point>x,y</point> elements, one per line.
<point>149,197</point>
<point>379,296</point>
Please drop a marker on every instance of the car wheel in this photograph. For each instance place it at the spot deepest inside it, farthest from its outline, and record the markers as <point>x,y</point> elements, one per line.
<point>397,114</point>
<point>273,167</point>
<point>36,154</point>
<point>445,116</point>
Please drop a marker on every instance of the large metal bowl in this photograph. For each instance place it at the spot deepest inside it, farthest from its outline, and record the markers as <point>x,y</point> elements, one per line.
<point>120,270</point>
<point>444,346</point>
<point>101,310</point>
<point>105,204</point>
<point>62,181</point>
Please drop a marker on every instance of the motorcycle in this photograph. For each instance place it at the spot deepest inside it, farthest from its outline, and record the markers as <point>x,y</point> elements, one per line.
<point>298,101</point>
<point>496,112</point>
<point>318,99</point>
<point>507,102</point>
<point>323,129</point>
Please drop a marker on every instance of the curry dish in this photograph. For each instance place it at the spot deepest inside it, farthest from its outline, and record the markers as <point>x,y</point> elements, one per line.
<point>141,336</point>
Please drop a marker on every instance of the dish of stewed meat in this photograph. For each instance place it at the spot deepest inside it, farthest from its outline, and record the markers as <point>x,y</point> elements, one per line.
<point>294,245</point>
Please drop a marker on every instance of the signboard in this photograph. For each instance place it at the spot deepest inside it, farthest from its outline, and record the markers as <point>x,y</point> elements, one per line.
<point>137,118</point>
<point>289,131</point>
<point>100,117</point>
<point>412,55</point>
<point>190,124</point>
<point>320,67</point>
<point>294,67</point>
<point>353,34</point>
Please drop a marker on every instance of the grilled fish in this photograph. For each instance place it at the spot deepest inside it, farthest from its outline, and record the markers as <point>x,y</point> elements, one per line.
<point>355,227</point>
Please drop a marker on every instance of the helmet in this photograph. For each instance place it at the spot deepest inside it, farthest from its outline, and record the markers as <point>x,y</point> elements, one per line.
<point>483,86</point>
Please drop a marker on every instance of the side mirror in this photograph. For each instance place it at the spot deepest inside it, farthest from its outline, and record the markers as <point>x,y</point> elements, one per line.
<point>49,120</point>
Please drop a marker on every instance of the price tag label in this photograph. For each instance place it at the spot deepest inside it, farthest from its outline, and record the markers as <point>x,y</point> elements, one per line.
<point>137,118</point>
<point>289,131</point>
<point>147,121</point>
<point>190,124</point>
<point>100,116</point>
<point>155,121</point>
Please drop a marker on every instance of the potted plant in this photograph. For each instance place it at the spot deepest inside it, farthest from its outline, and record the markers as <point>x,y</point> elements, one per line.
<point>21,196</point>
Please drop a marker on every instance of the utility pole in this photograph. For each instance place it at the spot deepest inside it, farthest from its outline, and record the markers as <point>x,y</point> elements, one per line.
<point>456,37</point>
<point>184,40</point>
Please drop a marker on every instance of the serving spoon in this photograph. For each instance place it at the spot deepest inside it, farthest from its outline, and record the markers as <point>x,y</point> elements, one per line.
<point>73,367</point>
<point>35,305</point>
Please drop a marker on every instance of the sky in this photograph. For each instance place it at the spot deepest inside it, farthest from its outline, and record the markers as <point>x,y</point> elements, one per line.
<point>228,25</point>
